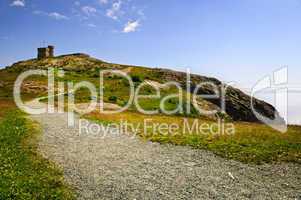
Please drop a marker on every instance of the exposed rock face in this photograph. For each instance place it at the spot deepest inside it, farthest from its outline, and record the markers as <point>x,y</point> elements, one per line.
<point>237,103</point>
<point>2,84</point>
<point>34,87</point>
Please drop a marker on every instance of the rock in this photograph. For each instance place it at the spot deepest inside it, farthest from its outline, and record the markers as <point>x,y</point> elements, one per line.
<point>238,104</point>
<point>231,175</point>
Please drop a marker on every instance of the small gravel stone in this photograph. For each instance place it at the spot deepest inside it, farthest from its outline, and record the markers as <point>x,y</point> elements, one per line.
<point>122,167</point>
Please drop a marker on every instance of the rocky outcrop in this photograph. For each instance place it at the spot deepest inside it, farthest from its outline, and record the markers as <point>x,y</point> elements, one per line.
<point>238,105</point>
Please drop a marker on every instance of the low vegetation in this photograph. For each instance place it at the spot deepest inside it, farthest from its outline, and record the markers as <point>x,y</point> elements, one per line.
<point>80,67</point>
<point>250,143</point>
<point>5,106</point>
<point>24,173</point>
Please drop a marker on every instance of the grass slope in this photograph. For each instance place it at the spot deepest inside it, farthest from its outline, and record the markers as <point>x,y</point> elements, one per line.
<point>24,174</point>
<point>251,143</point>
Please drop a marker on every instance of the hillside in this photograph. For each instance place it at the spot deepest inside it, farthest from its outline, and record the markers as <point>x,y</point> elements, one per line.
<point>80,67</point>
<point>251,142</point>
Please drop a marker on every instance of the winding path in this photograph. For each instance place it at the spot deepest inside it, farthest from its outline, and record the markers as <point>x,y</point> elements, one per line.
<point>121,167</point>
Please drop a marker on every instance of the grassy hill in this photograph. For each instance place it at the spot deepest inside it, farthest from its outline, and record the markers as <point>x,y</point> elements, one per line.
<point>252,142</point>
<point>81,67</point>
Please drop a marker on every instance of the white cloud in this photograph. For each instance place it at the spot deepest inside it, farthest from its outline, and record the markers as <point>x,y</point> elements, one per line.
<point>54,15</point>
<point>38,12</point>
<point>57,16</point>
<point>103,1</point>
<point>92,25</point>
<point>114,11</point>
<point>131,26</point>
<point>18,3</point>
<point>88,10</point>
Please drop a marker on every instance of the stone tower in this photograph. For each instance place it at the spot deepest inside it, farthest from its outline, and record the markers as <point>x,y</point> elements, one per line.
<point>51,51</point>
<point>46,52</point>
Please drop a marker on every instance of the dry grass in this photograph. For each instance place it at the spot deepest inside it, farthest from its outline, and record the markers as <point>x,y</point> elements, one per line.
<point>5,105</point>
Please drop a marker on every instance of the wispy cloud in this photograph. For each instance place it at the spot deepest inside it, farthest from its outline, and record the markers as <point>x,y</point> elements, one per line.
<point>91,25</point>
<point>38,12</point>
<point>18,3</point>
<point>54,15</point>
<point>114,11</point>
<point>138,11</point>
<point>103,1</point>
<point>131,26</point>
<point>141,14</point>
<point>88,10</point>
<point>57,16</point>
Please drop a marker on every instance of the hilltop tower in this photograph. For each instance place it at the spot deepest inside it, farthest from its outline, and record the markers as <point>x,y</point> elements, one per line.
<point>51,51</point>
<point>46,52</point>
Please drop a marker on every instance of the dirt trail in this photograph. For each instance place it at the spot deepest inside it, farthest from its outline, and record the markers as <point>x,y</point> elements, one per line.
<point>120,167</point>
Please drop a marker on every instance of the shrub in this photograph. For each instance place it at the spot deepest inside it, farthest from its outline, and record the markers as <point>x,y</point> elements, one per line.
<point>136,79</point>
<point>113,99</point>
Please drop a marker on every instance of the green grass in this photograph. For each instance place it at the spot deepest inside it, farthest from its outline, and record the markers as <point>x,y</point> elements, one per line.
<point>251,142</point>
<point>24,173</point>
<point>250,149</point>
<point>256,144</point>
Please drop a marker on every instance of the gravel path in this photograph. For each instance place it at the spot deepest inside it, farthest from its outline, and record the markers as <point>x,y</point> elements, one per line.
<point>120,167</point>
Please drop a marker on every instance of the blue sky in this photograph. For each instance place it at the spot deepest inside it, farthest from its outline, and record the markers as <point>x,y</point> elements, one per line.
<point>233,40</point>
